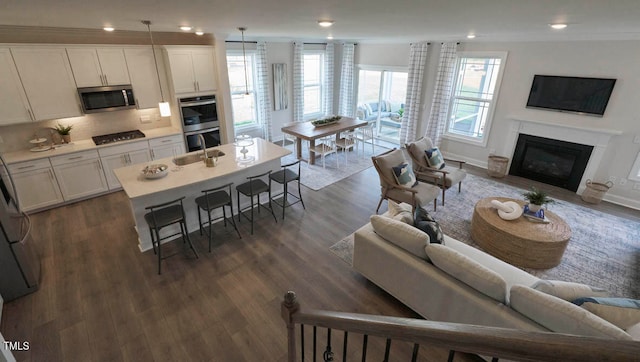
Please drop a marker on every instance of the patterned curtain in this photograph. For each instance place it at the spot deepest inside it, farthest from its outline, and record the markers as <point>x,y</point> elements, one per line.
<point>417,59</point>
<point>298,82</point>
<point>327,104</point>
<point>262,89</point>
<point>443,91</point>
<point>346,81</point>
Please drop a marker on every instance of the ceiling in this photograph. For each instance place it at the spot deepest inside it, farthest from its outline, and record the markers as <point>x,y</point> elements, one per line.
<point>366,21</point>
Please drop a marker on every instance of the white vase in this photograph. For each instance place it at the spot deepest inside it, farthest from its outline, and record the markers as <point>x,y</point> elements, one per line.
<point>534,207</point>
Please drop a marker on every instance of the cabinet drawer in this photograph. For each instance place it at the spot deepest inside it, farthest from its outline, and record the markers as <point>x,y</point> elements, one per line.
<point>161,141</point>
<point>29,165</point>
<point>119,149</point>
<point>74,157</point>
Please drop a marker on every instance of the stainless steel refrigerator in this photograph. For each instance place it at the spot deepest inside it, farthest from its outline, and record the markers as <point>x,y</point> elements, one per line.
<point>19,262</point>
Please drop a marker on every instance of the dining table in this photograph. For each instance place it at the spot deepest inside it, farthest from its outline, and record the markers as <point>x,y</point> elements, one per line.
<point>308,131</point>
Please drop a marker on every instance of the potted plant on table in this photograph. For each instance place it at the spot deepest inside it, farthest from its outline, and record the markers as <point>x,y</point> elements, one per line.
<point>537,198</point>
<point>64,132</point>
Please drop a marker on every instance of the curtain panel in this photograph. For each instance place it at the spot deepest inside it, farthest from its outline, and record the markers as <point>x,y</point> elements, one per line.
<point>262,88</point>
<point>417,60</point>
<point>346,81</point>
<point>298,82</point>
<point>327,102</point>
<point>442,95</point>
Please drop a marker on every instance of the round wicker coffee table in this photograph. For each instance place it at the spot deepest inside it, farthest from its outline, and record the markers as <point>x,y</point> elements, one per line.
<point>519,242</point>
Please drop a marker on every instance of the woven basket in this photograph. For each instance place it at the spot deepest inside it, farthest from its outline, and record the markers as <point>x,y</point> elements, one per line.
<point>497,166</point>
<point>595,191</point>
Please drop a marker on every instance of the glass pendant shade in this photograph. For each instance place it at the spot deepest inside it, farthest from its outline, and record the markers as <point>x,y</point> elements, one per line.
<point>165,109</point>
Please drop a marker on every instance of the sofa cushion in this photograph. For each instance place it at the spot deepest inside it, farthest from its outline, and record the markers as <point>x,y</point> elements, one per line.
<point>568,291</point>
<point>403,235</point>
<point>468,271</point>
<point>423,221</point>
<point>622,312</point>
<point>404,175</point>
<point>401,212</point>
<point>434,158</point>
<point>561,316</point>
<point>634,331</point>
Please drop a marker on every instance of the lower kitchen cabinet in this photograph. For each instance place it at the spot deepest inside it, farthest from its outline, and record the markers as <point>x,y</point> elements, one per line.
<point>170,146</point>
<point>121,156</point>
<point>79,174</point>
<point>36,183</point>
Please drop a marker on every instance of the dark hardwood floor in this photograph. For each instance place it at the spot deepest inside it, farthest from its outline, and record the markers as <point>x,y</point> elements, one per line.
<point>101,299</point>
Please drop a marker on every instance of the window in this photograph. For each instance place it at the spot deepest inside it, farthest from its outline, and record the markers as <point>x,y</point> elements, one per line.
<point>244,106</point>
<point>477,82</point>
<point>313,76</point>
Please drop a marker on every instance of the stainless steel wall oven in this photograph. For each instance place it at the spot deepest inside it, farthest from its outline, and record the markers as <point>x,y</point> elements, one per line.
<point>200,116</point>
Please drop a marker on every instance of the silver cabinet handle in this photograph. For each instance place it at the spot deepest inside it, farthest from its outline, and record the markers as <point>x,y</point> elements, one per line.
<point>165,141</point>
<point>99,164</point>
<point>197,85</point>
<point>25,167</point>
<point>74,158</point>
<point>31,114</point>
<point>153,155</point>
<point>106,82</point>
<point>50,174</point>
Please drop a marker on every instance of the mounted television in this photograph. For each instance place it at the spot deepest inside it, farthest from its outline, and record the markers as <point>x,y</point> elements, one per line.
<point>580,95</point>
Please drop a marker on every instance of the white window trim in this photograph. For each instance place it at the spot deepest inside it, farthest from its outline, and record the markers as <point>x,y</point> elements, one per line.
<point>258,124</point>
<point>318,114</point>
<point>635,170</point>
<point>492,108</point>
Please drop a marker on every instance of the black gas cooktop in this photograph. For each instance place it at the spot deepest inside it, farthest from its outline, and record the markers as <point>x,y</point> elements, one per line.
<point>116,137</point>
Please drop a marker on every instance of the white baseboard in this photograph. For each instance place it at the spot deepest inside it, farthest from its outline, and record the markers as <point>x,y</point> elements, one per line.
<point>609,197</point>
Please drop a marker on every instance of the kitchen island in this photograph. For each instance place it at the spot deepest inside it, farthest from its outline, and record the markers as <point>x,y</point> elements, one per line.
<point>189,180</point>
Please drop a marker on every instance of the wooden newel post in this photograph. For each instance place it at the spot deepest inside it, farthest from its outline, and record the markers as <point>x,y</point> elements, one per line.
<point>289,307</point>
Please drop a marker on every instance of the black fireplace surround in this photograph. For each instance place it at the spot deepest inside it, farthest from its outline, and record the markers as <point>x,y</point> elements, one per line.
<point>550,161</point>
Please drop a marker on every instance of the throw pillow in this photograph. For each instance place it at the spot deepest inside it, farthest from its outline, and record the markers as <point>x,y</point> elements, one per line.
<point>400,234</point>
<point>468,271</point>
<point>561,316</point>
<point>567,290</point>
<point>622,312</point>
<point>402,212</point>
<point>423,221</point>
<point>434,158</point>
<point>404,175</point>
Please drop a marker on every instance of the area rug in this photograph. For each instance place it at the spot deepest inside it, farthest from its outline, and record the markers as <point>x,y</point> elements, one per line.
<point>604,250</point>
<point>317,177</point>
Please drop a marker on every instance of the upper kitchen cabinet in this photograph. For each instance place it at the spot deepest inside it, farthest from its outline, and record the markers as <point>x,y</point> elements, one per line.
<point>14,106</point>
<point>94,67</point>
<point>48,81</point>
<point>192,69</point>
<point>144,80</point>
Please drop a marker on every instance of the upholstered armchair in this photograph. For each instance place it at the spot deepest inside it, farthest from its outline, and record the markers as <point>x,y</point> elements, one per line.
<point>445,177</point>
<point>417,193</point>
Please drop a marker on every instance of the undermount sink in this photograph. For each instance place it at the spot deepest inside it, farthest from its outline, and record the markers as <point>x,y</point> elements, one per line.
<point>196,157</point>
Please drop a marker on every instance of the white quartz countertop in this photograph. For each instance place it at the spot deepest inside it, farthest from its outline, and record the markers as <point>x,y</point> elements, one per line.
<point>136,185</point>
<point>83,145</point>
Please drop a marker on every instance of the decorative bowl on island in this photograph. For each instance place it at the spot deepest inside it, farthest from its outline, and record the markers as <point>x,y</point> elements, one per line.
<point>155,171</point>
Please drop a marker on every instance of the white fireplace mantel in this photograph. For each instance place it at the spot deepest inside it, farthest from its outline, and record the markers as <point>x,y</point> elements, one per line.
<point>596,137</point>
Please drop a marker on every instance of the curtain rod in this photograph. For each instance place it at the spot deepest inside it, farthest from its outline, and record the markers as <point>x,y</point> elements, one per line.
<point>238,41</point>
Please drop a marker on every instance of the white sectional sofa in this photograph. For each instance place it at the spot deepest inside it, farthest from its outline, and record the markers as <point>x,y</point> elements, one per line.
<point>455,282</point>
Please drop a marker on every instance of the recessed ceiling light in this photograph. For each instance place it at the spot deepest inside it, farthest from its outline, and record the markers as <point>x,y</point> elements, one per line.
<point>186,28</point>
<point>199,32</point>
<point>329,37</point>
<point>558,26</point>
<point>471,36</point>
<point>108,28</point>
<point>325,23</point>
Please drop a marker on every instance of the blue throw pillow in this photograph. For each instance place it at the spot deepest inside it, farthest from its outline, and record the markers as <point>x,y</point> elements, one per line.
<point>404,175</point>
<point>374,106</point>
<point>425,222</point>
<point>434,158</point>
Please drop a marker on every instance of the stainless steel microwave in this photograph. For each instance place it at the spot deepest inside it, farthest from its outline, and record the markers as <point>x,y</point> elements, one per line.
<point>106,99</point>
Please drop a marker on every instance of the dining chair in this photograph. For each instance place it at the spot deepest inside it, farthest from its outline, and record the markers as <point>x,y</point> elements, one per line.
<point>443,176</point>
<point>363,135</point>
<point>325,147</point>
<point>346,143</point>
<point>415,193</point>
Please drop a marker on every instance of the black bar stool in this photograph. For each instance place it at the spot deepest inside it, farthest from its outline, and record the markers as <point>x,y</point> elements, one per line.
<point>254,187</point>
<point>284,176</point>
<point>163,215</point>
<point>213,199</point>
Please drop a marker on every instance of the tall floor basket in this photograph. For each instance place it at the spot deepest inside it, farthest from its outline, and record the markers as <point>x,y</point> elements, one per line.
<point>595,191</point>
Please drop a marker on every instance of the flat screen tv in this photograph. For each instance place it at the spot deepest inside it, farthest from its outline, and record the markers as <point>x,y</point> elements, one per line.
<point>581,95</point>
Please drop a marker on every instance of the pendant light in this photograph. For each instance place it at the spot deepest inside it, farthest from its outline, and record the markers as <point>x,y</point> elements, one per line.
<point>244,59</point>
<point>165,109</point>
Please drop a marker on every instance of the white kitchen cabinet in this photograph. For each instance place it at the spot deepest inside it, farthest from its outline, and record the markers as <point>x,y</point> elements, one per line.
<point>48,81</point>
<point>14,105</point>
<point>170,146</point>
<point>79,174</point>
<point>144,80</point>
<point>36,184</point>
<point>192,69</point>
<point>120,156</point>
<point>94,67</point>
